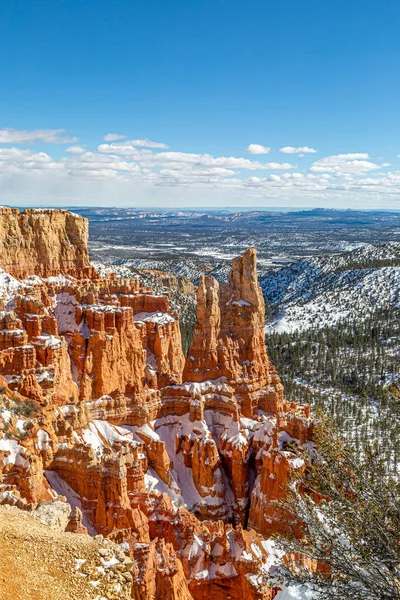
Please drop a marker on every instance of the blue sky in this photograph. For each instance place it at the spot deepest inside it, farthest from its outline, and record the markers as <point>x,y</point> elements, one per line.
<point>209,83</point>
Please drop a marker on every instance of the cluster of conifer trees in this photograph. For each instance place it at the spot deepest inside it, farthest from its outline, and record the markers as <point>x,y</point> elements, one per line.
<point>351,371</point>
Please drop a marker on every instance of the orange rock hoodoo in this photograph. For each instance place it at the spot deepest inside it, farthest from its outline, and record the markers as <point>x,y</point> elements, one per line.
<point>181,461</point>
<point>229,339</point>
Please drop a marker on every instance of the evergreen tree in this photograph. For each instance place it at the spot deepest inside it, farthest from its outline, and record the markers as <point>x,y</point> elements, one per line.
<point>348,513</point>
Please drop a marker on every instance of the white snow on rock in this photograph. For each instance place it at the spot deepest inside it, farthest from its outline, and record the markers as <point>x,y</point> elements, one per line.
<point>119,270</point>
<point>241,303</point>
<point>295,592</point>
<point>296,463</point>
<point>154,483</point>
<point>171,427</point>
<point>9,286</point>
<point>79,562</point>
<point>60,280</point>
<point>68,410</point>
<point>145,429</point>
<point>45,375</point>
<point>275,555</point>
<point>204,387</point>
<point>107,564</point>
<point>16,452</point>
<point>158,317</point>
<point>48,340</point>
<point>64,311</point>
<point>43,439</point>
<point>5,414</point>
<point>100,434</point>
<point>236,434</point>
<point>20,425</point>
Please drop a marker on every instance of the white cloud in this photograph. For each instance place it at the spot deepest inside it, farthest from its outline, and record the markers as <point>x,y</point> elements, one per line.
<point>106,164</point>
<point>240,163</point>
<point>199,172</point>
<point>299,150</point>
<point>75,150</point>
<point>146,157</point>
<point>122,149</point>
<point>17,155</point>
<point>127,169</point>
<point>145,143</point>
<point>113,137</point>
<point>341,164</point>
<point>257,149</point>
<point>49,136</point>
<point>279,166</point>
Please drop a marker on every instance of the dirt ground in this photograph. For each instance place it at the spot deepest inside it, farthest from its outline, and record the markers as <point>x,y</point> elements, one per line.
<point>38,563</point>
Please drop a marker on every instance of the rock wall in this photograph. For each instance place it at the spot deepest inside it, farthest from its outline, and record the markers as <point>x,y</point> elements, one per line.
<point>43,242</point>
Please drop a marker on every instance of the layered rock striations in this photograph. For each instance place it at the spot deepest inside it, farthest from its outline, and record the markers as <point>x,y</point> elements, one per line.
<point>43,242</point>
<point>181,462</point>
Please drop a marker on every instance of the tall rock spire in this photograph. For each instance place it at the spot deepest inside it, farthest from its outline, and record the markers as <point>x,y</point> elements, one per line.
<point>229,336</point>
<point>203,361</point>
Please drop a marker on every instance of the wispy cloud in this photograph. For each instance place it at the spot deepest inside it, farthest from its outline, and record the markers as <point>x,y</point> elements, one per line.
<point>178,158</point>
<point>299,150</point>
<point>75,150</point>
<point>49,136</point>
<point>131,145</point>
<point>113,137</point>
<point>145,143</point>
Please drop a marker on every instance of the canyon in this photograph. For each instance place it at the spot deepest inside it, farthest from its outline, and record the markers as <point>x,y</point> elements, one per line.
<point>178,460</point>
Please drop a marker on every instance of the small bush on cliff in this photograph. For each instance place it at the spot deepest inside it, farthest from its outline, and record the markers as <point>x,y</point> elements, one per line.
<point>349,518</point>
<point>26,407</point>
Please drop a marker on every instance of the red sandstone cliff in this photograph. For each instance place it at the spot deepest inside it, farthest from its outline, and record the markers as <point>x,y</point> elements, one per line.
<point>42,241</point>
<point>180,462</point>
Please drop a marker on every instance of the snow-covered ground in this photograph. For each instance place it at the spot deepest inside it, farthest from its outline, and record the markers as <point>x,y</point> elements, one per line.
<point>321,291</point>
<point>294,592</point>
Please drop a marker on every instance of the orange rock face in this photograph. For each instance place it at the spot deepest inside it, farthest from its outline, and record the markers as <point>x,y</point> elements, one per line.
<point>180,461</point>
<point>75,522</point>
<point>158,573</point>
<point>229,339</point>
<point>43,242</point>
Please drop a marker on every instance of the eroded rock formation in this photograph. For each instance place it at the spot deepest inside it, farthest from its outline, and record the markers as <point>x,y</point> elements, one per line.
<point>43,242</point>
<point>229,339</point>
<point>180,462</point>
